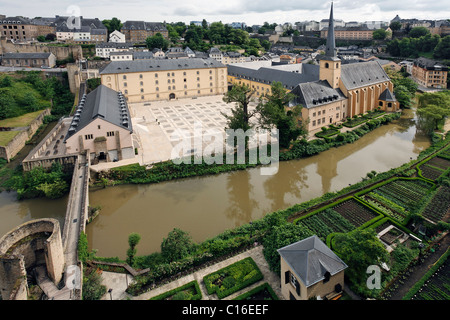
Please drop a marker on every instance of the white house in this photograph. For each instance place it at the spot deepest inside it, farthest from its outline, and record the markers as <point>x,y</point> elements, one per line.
<point>117,36</point>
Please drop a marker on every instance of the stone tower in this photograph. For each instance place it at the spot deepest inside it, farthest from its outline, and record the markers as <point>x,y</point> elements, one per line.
<point>330,64</point>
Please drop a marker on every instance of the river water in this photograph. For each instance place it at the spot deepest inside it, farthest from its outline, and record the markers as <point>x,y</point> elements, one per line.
<point>206,206</point>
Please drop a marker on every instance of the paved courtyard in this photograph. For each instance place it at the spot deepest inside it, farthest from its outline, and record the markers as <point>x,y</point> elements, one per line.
<point>159,126</point>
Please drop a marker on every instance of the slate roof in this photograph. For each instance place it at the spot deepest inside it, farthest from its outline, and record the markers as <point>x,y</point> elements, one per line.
<point>387,95</point>
<point>267,75</point>
<point>429,64</point>
<point>159,65</point>
<point>317,93</point>
<point>310,259</point>
<point>26,55</point>
<point>356,75</point>
<point>120,45</point>
<point>103,103</point>
<point>143,25</point>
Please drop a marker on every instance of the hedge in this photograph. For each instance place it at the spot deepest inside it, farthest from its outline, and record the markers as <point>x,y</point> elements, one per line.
<point>194,283</point>
<point>250,293</point>
<point>237,276</point>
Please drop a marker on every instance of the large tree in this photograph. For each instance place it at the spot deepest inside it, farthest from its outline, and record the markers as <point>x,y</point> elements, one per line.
<point>157,42</point>
<point>359,249</point>
<point>379,34</point>
<point>274,110</point>
<point>433,109</point>
<point>240,115</point>
<point>112,24</point>
<point>177,245</point>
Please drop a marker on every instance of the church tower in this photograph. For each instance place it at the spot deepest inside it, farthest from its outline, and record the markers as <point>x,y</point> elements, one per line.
<point>330,64</point>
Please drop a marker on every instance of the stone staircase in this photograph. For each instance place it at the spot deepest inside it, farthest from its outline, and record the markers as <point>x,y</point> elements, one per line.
<point>49,288</point>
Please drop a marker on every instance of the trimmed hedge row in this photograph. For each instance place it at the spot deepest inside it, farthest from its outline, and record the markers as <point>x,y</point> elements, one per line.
<point>173,292</point>
<point>233,278</point>
<point>250,293</point>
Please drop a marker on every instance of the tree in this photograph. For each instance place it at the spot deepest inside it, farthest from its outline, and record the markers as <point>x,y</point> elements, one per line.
<point>432,109</point>
<point>274,111</point>
<point>395,26</point>
<point>177,245</point>
<point>280,236</point>
<point>173,34</point>
<point>50,37</point>
<point>92,286</point>
<point>359,249</point>
<point>442,49</point>
<point>418,32</point>
<point>133,240</point>
<point>5,82</point>
<point>379,34</point>
<point>240,115</point>
<point>112,25</point>
<point>157,42</point>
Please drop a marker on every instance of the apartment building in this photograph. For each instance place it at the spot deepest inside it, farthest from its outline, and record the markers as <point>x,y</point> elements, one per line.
<point>18,29</point>
<point>429,73</point>
<point>139,31</point>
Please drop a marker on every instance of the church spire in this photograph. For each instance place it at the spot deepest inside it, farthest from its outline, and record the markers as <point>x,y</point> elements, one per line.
<point>331,44</point>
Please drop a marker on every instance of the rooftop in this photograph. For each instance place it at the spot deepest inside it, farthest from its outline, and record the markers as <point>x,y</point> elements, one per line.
<point>103,103</point>
<point>355,75</point>
<point>159,65</point>
<point>310,259</point>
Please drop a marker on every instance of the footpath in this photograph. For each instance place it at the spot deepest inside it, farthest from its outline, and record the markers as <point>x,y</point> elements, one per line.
<point>118,281</point>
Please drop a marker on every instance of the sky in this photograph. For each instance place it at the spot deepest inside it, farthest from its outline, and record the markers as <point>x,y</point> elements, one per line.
<point>249,11</point>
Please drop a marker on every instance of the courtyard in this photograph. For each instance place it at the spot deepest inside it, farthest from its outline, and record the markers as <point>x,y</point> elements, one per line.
<point>159,126</point>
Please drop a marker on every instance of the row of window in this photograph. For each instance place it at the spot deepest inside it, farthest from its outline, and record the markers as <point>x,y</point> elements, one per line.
<point>91,136</point>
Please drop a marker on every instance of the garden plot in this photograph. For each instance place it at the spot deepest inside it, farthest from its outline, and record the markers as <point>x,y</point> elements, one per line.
<point>430,172</point>
<point>402,193</point>
<point>437,286</point>
<point>356,213</point>
<point>439,205</point>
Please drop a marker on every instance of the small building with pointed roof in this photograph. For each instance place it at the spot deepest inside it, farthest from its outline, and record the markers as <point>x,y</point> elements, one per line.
<point>309,269</point>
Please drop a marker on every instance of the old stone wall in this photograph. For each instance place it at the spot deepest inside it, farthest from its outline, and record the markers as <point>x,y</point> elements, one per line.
<point>18,252</point>
<point>18,142</point>
<point>60,53</point>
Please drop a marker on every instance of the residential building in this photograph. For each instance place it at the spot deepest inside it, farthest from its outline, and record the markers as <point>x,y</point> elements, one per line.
<point>80,30</point>
<point>101,125</point>
<point>232,57</point>
<point>121,56</point>
<point>139,31</point>
<point>325,22</point>
<point>429,73</point>
<point>349,33</point>
<point>310,270</point>
<point>104,49</point>
<point>216,54</point>
<point>165,79</point>
<point>141,55</point>
<point>99,35</point>
<point>117,36</point>
<point>18,29</point>
<point>34,59</point>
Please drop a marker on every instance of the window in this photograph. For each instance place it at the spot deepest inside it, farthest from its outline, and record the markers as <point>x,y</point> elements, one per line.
<point>156,82</point>
<point>168,74</point>
<point>168,80</point>
<point>156,75</point>
<point>184,73</point>
<point>110,134</point>
<point>326,277</point>
<point>124,77</point>
<point>141,83</point>
<point>327,65</point>
<point>173,80</point>
<point>124,84</point>
<point>88,136</point>
<point>140,77</point>
<point>314,123</point>
<point>126,91</point>
<point>98,127</point>
<point>198,72</point>
<point>173,74</point>
<point>314,114</point>
<point>142,90</point>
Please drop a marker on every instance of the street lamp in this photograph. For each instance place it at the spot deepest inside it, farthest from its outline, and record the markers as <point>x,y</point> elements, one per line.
<point>110,293</point>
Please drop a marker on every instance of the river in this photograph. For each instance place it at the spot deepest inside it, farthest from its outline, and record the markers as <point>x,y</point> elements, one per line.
<point>206,206</point>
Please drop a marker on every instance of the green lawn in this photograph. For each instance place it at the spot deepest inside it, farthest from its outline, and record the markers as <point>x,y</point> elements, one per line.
<point>7,136</point>
<point>21,121</point>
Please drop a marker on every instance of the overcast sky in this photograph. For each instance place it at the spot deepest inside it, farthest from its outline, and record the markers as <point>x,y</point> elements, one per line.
<point>227,11</point>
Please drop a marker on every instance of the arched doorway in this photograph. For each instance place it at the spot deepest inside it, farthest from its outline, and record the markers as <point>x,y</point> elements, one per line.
<point>171,96</point>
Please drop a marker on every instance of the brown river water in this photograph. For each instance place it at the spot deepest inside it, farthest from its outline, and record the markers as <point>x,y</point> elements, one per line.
<point>206,206</point>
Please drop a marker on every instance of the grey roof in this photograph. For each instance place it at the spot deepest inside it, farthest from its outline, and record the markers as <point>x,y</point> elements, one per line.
<point>15,20</point>
<point>99,31</point>
<point>142,55</point>
<point>317,93</point>
<point>268,75</point>
<point>159,65</point>
<point>310,259</point>
<point>27,55</point>
<point>330,51</point>
<point>387,95</point>
<point>429,64</point>
<point>103,103</point>
<point>356,75</point>
<point>143,25</point>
